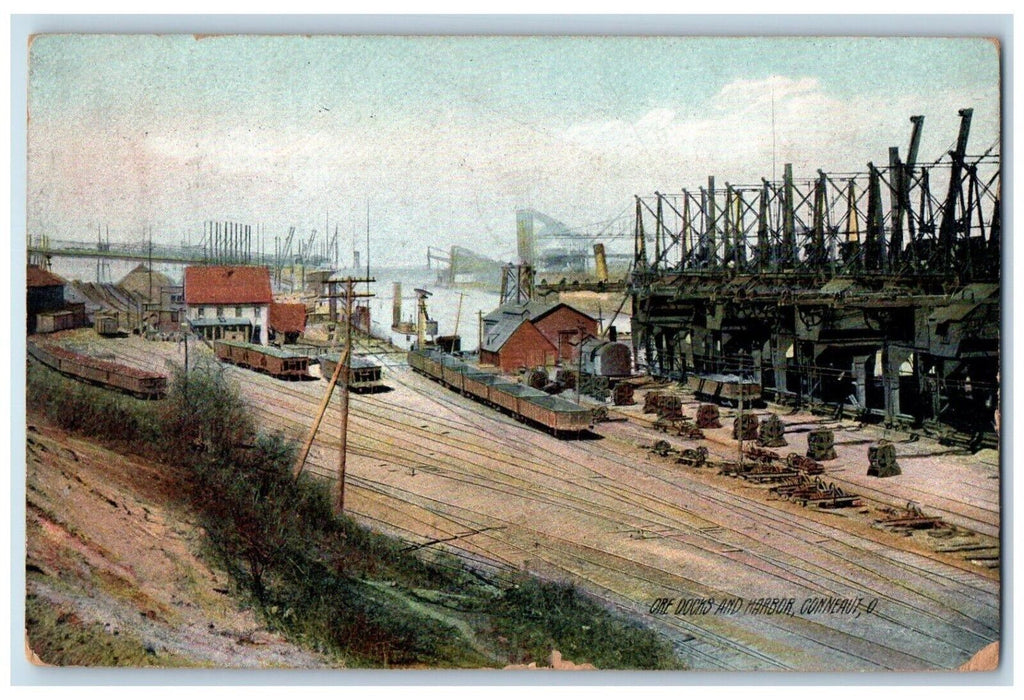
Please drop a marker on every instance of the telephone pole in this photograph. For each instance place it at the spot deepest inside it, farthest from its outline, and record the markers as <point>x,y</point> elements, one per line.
<point>339,485</point>
<point>341,375</point>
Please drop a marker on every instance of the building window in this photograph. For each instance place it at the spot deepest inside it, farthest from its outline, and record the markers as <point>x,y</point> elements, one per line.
<point>238,312</point>
<point>220,312</point>
<point>202,312</point>
<point>257,312</point>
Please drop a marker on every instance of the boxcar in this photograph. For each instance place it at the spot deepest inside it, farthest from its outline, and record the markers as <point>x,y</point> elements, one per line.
<point>106,324</point>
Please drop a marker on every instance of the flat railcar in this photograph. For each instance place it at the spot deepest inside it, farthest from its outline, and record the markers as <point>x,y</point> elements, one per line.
<point>269,360</point>
<point>111,375</point>
<point>520,401</point>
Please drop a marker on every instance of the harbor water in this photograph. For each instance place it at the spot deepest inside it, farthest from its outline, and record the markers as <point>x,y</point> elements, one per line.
<point>443,305</point>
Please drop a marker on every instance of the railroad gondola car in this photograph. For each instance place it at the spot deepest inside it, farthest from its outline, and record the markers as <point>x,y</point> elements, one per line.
<point>508,396</point>
<point>725,388</point>
<point>263,358</point>
<point>426,362</point>
<point>111,375</point>
<point>522,402</point>
<point>477,384</point>
<point>366,375</point>
<point>557,414</point>
<point>453,372</point>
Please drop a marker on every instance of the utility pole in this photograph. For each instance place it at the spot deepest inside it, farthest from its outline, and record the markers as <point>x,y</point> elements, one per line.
<point>301,461</point>
<point>184,328</point>
<point>458,315</point>
<point>150,297</point>
<point>342,372</point>
<point>579,371</point>
<point>740,419</point>
<point>339,485</point>
<point>579,352</point>
<point>480,331</point>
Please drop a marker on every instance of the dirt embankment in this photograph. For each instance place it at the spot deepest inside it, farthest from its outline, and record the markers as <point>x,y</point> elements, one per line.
<point>113,570</point>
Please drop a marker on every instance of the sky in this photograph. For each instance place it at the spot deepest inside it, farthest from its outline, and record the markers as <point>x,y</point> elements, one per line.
<point>442,139</point>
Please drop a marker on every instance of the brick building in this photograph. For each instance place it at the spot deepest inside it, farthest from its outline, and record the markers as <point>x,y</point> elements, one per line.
<point>514,343</point>
<point>534,334</point>
<point>561,325</point>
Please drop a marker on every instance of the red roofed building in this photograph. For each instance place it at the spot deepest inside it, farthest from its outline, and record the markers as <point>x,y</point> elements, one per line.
<point>287,321</point>
<point>230,302</point>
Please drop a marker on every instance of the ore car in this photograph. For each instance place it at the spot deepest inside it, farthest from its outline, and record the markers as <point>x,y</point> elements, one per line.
<point>724,388</point>
<point>524,403</point>
<point>130,380</point>
<point>366,375</point>
<point>262,358</point>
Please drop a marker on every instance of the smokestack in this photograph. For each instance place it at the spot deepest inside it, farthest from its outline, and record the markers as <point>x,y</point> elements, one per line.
<point>601,262</point>
<point>396,306</point>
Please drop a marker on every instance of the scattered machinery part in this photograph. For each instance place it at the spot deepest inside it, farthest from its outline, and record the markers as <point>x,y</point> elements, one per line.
<point>707,416</point>
<point>694,457</point>
<point>821,444</point>
<point>882,460</point>
<point>771,432</point>
<point>909,517</point>
<point>622,395</point>
<point>747,422</point>
<point>804,464</point>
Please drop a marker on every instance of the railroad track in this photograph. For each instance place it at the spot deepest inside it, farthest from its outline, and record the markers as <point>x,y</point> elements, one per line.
<point>975,514</point>
<point>601,480</point>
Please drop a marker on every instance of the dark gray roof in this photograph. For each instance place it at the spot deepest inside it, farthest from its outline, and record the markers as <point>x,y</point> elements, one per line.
<point>532,310</point>
<point>498,335</point>
<point>529,310</point>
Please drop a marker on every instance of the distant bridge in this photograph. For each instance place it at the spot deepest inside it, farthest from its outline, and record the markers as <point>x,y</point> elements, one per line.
<point>42,248</point>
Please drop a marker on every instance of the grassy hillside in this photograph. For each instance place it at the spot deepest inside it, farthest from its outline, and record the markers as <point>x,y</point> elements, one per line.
<point>324,582</point>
